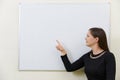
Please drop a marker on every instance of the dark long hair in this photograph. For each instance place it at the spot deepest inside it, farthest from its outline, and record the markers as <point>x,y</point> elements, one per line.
<point>100,33</point>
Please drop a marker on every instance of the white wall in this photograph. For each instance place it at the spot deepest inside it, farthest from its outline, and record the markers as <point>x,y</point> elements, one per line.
<point>9,42</point>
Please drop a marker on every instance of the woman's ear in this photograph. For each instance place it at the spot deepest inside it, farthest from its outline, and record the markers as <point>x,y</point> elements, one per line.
<point>97,39</point>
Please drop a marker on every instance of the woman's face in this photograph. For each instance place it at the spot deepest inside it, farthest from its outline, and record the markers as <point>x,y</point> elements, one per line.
<point>90,40</point>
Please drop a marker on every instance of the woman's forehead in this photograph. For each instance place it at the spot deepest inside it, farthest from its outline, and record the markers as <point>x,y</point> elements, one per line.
<point>88,32</point>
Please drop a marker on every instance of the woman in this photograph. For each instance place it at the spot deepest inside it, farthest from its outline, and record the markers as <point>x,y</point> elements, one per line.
<point>99,63</point>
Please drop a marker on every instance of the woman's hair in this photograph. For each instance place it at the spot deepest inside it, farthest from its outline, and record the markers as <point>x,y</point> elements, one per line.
<point>100,33</point>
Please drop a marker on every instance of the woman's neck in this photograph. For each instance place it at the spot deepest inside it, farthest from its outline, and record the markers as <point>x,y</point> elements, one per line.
<point>96,50</point>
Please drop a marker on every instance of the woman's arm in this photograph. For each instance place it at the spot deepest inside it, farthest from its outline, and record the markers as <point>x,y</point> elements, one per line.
<point>69,67</point>
<point>74,66</point>
<point>110,67</point>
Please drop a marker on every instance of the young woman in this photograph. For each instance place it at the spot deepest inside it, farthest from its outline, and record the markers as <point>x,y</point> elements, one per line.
<point>99,63</point>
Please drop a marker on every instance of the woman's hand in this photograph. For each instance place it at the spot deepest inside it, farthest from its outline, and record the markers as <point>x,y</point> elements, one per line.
<point>60,48</point>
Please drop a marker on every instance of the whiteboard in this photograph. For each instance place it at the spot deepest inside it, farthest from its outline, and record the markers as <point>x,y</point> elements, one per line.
<point>40,25</point>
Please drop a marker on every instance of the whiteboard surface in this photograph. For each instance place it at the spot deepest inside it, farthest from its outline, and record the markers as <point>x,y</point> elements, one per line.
<point>42,24</point>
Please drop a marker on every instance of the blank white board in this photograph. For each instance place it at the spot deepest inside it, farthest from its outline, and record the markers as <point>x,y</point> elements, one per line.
<point>42,24</point>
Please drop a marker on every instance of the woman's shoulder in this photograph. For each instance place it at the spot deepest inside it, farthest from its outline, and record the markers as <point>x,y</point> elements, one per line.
<point>109,55</point>
<point>87,54</point>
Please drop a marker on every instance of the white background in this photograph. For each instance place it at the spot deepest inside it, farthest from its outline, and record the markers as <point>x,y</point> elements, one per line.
<point>9,48</point>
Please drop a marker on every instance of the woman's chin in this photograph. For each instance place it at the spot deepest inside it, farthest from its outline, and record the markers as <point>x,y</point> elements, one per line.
<point>87,45</point>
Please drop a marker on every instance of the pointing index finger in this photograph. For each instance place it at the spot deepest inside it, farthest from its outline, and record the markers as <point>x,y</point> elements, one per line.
<point>58,42</point>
